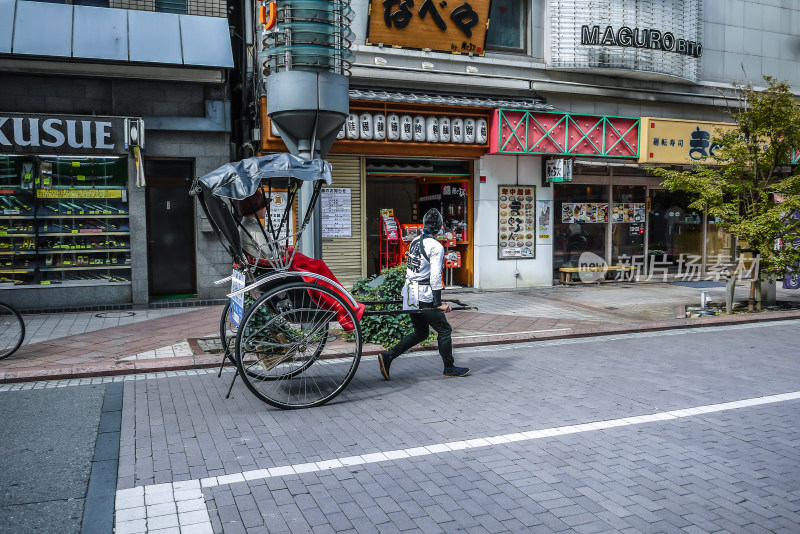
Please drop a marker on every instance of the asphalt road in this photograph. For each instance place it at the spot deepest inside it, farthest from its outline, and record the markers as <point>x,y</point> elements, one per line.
<point>47,443</point>
<point>677,431</point>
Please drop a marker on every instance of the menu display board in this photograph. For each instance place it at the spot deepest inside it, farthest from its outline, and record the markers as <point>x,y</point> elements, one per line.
<point>598,212</point>
<point>516,237</point>
<point>337,210</point>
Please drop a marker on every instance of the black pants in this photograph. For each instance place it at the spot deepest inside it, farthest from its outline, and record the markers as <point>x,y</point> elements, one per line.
<point>430,317</point>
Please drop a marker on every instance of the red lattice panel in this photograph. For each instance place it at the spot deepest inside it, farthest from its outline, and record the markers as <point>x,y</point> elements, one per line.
<point>620,126</point>
<point>546,133</point>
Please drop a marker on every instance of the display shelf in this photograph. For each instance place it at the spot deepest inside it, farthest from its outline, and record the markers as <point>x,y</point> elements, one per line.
<point>84,267</point>
<point>64,205</point>
<point>79,234</point>
<point>80,250</point>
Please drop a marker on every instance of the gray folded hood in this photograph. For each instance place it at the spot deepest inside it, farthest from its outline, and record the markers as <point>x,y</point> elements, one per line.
<point>240,179</point>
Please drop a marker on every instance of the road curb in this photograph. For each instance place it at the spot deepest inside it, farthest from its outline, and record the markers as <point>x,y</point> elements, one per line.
<point>204,361</point>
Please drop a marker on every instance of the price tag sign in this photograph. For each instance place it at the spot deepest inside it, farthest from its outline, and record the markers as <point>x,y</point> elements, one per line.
<point>237,301</point>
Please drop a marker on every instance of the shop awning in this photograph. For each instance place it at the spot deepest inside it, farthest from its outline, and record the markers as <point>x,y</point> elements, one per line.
<point>413,97</point>
<point>105,35</point>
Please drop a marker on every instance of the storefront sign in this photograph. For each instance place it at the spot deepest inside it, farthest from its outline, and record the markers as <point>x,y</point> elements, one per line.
<point>518,131</point>
<point>516,222</point>
<point>544,218</point>
<point>337,211</point>
<point>679,141</point>
<point>79,193</point>
<point>419,128</point>
<point>28,134</point>
<point>558,170</point>
<point>639,38</point>
<point>459,28</point>
<point>654,36</point>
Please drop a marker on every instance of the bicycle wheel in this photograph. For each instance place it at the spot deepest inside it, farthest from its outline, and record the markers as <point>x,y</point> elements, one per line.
<point>227,333</point>
<point>288,329</point>
<point>12,330</point>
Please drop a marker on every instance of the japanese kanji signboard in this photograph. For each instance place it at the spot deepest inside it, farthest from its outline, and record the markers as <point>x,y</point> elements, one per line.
<point>445,25</point>
<point>679,141</point>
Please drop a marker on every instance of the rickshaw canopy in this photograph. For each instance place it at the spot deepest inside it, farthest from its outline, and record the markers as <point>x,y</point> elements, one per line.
<point>240,179</point>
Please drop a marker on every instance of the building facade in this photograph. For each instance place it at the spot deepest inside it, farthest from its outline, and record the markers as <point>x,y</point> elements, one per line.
<point>104,123</point>
<point>608,87</point>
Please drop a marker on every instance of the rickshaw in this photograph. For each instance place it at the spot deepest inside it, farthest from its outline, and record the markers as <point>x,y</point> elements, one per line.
<point>291,330</point>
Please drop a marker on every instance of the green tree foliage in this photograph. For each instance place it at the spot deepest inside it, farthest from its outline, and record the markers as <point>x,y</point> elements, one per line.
<point>385,330</point>
<point>751,189</point>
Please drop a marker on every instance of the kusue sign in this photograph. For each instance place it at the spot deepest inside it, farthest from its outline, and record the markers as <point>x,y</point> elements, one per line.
<point>639,38</point>
<point>61,134</point>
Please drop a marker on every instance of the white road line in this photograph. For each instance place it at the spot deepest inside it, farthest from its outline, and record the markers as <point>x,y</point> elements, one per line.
<point>178,504</point>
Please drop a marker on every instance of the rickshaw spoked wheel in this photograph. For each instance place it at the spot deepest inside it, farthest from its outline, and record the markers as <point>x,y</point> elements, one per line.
<point>291,350</point>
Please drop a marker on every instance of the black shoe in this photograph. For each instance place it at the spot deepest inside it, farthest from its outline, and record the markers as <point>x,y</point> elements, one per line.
<point>385,359</point>
<point>453,371</point>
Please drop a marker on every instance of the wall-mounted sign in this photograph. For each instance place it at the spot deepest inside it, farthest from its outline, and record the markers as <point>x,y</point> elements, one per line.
<point>59,134</point>
<point>279,202</point>
<point>639,38</point>
<point>337,212</point>
<point>456,27</point>
<point>418,128</point>
<point>544,218</point>
<point>516,218</point>
<point>558,170</point>
<point>655,36</point>
<point>679,141</point>
<point>516,131</point>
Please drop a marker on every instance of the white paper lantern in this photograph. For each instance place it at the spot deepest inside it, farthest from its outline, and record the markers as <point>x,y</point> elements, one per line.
<point>419,128</point>
<point>365,126</point>
<point>457,131</point>
<point>379,126</point>
<point>481,131</point>
<point>352,126</point>
<point>444,129</point>
<point>406,128</point>
<point>342,131</point>
<point>432,130</point>
<point>393,127</point>
<point>469,130</point>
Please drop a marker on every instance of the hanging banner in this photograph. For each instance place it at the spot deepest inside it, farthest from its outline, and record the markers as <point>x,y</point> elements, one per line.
<point>516,222</point>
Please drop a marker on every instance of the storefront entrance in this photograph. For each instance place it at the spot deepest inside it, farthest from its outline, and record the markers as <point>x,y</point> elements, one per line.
<point>170,229</point>
<point>409,188</point>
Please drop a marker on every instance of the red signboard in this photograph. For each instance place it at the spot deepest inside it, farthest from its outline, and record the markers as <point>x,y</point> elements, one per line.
<point>540,132</point>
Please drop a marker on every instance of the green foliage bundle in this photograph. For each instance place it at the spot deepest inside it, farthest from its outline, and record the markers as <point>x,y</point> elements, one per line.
<point>385,330</point>
<point>752,173</point>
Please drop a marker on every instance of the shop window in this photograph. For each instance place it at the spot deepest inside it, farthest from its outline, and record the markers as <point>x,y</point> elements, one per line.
<point>172,6</point>
<point>628,214</point>
<point>64,220</point>
<point>508,22</point>
<point>581,222</point>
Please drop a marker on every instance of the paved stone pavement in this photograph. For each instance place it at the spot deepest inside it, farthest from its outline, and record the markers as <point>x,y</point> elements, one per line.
<point>675,431</point>
<point>74,345</point>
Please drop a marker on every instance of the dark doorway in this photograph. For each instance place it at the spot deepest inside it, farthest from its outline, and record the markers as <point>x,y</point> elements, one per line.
<point>170,228</point>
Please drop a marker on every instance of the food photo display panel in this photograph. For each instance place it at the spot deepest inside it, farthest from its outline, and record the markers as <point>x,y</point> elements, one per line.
<point>516,235</point>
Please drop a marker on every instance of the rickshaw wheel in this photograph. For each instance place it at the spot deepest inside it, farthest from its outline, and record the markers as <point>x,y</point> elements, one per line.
<point>227,333</point>
<point>291,349</point>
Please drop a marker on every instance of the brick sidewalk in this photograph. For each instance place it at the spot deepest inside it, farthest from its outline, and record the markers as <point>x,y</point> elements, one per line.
<point>103,352</point>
